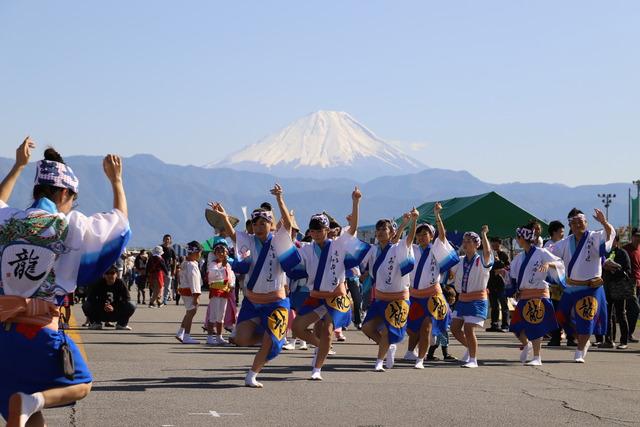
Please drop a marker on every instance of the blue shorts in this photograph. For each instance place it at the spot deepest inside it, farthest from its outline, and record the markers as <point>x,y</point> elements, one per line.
<point>30,362</point>
<point>272,318</point>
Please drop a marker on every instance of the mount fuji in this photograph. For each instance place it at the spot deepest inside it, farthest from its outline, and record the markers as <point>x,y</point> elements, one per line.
<point>324,144</point>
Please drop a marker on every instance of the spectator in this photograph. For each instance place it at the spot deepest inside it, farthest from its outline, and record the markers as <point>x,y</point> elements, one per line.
<point>616,275</point>
<point>156,273</point>
<point>170,260</point>
<point>633,307</point>
<point>140,269</point>
<point>108,300</point>
<point>497,298</point>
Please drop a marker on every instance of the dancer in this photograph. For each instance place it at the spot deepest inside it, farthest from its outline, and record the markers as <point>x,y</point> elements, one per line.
<point>583,306</point>
<point>429,313</point>
<point>221,280</point>
<point>265,258</point>
<point>532,271</point>
<point>45,251</point>
<point>324,263</point>
<point>471,278</point>
<point>386,320</point>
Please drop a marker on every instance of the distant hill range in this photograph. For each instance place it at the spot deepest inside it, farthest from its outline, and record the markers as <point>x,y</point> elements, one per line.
<point>165,198</point>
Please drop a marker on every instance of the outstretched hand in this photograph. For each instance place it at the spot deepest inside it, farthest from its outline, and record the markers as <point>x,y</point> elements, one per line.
<point>217,208</point>
<point>112,165</point>
<point>356,195</point>
<point>599,216</point>
<point>437,208</point>
<point>277,190</point>
<point>23,152</point>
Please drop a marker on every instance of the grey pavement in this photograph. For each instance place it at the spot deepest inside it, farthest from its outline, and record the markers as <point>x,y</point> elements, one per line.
<point>147,378</point>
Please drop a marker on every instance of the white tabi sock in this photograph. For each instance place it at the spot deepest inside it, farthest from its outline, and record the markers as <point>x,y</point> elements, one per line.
<point>536,361</point>
<point>379,367</point>
<point>419,364</point>
<point>250,380</point>
<point>29,405</point>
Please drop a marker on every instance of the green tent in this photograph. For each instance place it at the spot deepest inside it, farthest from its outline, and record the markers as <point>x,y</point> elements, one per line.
<point>462,214</point>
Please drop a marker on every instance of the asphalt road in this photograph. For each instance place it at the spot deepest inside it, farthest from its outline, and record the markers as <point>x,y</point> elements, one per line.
<point>146,378</point>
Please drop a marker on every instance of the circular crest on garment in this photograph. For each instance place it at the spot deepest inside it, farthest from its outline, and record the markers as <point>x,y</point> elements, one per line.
<point>587,308</point>
<point>277,322</point>
<point>341,303</point>
<point>533,311</point>
<point>437,307</point>
<point>396,313</point>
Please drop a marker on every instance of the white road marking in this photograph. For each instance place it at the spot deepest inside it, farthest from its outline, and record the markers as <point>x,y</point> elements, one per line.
<point>216,414</point>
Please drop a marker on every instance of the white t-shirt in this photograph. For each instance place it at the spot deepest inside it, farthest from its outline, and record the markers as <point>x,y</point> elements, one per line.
<point>190,277</point>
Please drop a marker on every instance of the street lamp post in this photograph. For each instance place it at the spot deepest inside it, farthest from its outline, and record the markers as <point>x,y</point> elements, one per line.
<point>607,199</point>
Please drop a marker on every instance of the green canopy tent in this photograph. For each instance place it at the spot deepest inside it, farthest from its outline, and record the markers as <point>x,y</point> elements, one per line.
<point>462,214</point>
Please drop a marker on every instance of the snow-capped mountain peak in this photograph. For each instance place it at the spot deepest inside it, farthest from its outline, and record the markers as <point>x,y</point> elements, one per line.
<point>332,143</point>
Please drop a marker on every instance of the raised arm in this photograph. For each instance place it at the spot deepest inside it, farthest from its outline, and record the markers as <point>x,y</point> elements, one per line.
<point>23,154</point>
<point>608,228</point>
<point>284,211</point>
<point>486,248</point>
<point>355,211</point>
<point>442,233</point>
<point>414,214</point>
<point>219,210</point>
<point>405,221</point>
<point>112,166</point>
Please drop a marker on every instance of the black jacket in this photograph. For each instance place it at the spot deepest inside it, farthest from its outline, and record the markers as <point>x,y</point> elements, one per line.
<point>101,293</point>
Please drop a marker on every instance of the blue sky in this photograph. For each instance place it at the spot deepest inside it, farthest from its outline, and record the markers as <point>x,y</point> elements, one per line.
<point>508,90</point>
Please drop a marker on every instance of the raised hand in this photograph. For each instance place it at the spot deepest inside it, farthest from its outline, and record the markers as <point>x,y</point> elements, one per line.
<point>112,165</point>
<point>217,207</point>
<point>414,213</point>
<point>485,230</point>
<point>23,152</point>
<point>599,216</point>
<point>277,190</point>
<point>437,208</point>
<point>356,195</point>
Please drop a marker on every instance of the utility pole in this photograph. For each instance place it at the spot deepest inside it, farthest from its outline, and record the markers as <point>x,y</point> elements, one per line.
<point>607,199</point>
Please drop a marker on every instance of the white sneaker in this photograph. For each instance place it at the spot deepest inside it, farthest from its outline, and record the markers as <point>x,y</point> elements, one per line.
<point>188,340</point>
<point>331,351</point>
<point>304,345</point>
<point>411,356</point>
<point>391,356</point>
<point>378,367</point>
<point>465,357</point>
<point>222,341</point>
<point>535,362</point>
<point>419,364</point>
<point>578,357</point>
<point>289,346</point>
<point>526,352</point>
<point>212,340</point>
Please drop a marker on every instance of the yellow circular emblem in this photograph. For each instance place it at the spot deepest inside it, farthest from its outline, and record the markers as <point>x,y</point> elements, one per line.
<point>587,308</point>
<point>533,311</point>
<point>342,304</point>
<point>437,307</point>
<point>277,322</point>
<point>396,313</point>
